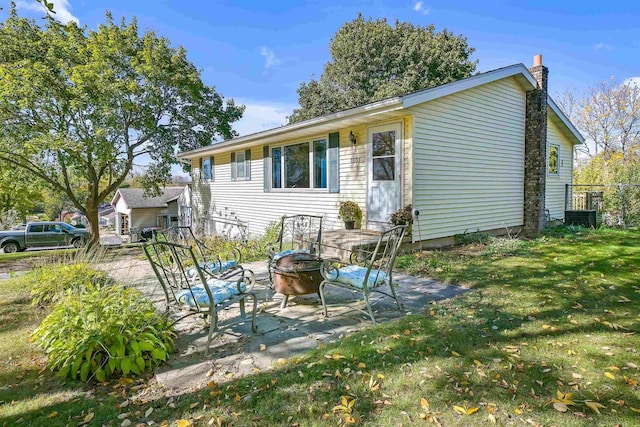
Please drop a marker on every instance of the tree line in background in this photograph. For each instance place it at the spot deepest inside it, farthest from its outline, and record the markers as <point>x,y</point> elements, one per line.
<point>608,116</point>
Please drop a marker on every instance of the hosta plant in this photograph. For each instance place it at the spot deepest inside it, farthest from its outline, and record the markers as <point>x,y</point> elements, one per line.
<point>103,333</point>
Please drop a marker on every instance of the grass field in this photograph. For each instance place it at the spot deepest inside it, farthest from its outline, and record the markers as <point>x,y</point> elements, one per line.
<point>548,337</point>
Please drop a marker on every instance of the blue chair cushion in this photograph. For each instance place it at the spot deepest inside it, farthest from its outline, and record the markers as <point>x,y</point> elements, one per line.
<point>212,267</point>
<point>279,255</point>
<point>353,275</point>
<point>220,291</point>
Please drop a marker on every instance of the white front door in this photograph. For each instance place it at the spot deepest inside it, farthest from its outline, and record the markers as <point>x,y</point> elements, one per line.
<point>384,172</point>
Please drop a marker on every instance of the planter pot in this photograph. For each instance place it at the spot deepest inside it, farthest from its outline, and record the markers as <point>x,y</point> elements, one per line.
<point>349,225</point>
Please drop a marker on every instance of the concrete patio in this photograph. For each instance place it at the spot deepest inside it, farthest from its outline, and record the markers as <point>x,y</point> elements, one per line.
<point>282,333</point>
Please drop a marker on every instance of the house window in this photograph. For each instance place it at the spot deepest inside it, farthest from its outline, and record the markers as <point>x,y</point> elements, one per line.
<point>241,165</point>
<point>276,168</point>
<point>302,165</point>
<point>206,166</point>
<point>320,164</point>
<point>554,151</point>
<point>240,170</point>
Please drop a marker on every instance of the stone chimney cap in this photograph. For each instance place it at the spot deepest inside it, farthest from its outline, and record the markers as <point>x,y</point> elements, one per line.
<point>537,60</point>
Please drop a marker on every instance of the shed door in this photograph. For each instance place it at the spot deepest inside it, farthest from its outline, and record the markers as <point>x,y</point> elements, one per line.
<point>384,172</point>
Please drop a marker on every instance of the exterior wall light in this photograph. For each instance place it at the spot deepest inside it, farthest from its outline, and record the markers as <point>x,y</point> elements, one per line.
<point>352,138</point>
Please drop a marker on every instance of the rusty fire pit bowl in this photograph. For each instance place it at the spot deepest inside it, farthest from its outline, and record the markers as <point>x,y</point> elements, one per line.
<point>297,274</point>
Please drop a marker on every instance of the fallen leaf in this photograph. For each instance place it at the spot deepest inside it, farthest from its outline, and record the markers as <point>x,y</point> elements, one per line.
<point>148,412</point>
<point>89,417</point>
<point>594,406</point>
<point>183,423</point>
<point>559,406</point>
<point>609,375</point>
<point>492,418</point>
<point>636,410</point>
<point>263,347</point>
<point>53,414</point>
<point>460,410</point>
<point>424,403</point>
<point>455,353</point>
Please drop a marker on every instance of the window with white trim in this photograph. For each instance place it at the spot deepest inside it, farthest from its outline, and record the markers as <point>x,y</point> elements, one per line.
<point>241,165</point>
<point>240,172</point>
<point>554,159</point>
<point>300,165</point>
<point>206,168</point>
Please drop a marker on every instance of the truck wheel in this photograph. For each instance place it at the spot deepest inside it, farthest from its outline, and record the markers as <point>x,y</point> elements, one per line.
<point>79,243</point>
<point>10,247</point>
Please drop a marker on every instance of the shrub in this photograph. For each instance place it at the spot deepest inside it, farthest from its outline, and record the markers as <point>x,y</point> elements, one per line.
<point>104,332</point>
<point>403,216</point>
<point>252,250</point>
<point>477,238</point>
<point>49,282</point>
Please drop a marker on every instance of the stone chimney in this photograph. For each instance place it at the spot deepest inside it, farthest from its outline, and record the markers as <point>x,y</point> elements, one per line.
<point>535,151</point>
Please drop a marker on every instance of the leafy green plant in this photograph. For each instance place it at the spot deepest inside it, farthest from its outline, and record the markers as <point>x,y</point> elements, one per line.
<point>49,282</point>
<point>349,211</point>
<point>476,237</point>
<point>251,250</point>
<point>402,216</point>
<point>104,332</point>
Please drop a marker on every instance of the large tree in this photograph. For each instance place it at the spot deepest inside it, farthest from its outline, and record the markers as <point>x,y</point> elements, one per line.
<point>371,60</point>
<point>83,103</point>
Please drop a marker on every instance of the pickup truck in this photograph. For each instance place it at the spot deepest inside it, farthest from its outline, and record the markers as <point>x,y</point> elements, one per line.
<point>43,234</point>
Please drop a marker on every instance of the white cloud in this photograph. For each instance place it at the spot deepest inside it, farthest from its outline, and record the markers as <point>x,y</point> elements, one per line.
<point>270,59</point>
<point>602,46</point>
<point>262,115</point>
<point>632,81</point>
<point>62,9</point>
<point>419,7</point>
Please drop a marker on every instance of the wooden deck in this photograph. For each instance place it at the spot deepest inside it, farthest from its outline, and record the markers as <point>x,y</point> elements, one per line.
<point>340,243</point>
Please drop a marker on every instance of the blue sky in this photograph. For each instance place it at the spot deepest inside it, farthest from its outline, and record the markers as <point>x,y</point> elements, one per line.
<point>258,52</point>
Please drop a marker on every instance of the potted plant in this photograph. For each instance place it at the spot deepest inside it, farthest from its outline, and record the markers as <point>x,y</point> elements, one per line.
<point>403,216</point>
<point>349,212</point>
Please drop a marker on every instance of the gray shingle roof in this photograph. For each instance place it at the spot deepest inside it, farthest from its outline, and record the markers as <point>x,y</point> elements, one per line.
<point>134,197</point>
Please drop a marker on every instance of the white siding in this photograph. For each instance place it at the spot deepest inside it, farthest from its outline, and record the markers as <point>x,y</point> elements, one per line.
<point>468,160</point>
<point>251,204</point>
<point>556,183</point>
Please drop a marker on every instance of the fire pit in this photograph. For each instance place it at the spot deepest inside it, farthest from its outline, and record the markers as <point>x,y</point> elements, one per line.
<point>297,274</point>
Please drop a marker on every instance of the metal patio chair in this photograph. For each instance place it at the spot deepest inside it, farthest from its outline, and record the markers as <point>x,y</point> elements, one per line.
<point>370,271</point>
<point>298,234</point>
<point>210,262</point>
<point>197,293</point>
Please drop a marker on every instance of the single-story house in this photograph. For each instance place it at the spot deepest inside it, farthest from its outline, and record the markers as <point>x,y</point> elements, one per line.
<point>487,153</point>
<point>135,211</point>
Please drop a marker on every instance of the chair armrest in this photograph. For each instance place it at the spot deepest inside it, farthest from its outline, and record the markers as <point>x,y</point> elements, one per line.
<point>330,268</point>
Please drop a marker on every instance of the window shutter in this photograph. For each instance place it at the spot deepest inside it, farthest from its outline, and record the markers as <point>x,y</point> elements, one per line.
<point>266,169</point>
<point>233,166</point>
<point>247,165</point>
<point>200,171</point>
<point>334,162</point>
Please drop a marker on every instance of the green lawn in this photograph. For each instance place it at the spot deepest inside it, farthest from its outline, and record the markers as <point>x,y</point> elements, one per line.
<point>548,337</point>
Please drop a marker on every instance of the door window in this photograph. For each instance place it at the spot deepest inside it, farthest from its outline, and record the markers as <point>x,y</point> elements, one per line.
<point>384,156</point>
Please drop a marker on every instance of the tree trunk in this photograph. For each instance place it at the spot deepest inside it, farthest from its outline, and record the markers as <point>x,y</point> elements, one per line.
<point>94,226</point>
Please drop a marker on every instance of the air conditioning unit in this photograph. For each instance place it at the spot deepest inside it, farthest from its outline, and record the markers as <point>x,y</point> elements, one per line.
<point>584,218</point>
